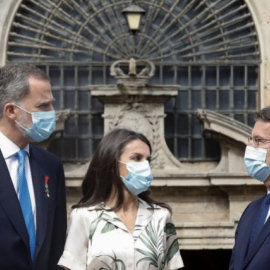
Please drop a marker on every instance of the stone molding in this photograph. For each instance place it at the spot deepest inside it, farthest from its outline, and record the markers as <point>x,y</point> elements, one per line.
<point>227,126</point>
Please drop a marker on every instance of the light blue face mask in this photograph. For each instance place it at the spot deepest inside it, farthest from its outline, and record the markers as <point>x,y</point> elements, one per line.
<point>43,125</point>
<point>139,176</point>
<point>255,161</point>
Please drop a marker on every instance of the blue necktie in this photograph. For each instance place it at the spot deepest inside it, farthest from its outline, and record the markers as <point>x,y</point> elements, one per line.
<point>260,220</point>
<point>25,202</point>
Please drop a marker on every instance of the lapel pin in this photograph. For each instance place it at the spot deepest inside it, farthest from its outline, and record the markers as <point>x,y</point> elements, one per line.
<point>46,180</point>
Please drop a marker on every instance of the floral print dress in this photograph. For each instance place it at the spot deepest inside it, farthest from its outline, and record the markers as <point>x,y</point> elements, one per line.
<point>98,240</point>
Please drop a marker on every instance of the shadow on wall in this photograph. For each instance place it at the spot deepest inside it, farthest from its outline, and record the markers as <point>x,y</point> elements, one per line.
<point>206,259</point>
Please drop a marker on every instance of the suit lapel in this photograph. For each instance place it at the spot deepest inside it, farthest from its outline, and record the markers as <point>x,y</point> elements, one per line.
<point>10,203</point>
<point>260,239</point>
<point>38,176</point>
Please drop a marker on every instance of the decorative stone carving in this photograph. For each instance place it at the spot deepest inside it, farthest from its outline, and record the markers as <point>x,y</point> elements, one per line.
<point>132,80</point>
<point>137,116</point>
<point>219,123</point>
<point>232,137</point>
<point>135,104</point>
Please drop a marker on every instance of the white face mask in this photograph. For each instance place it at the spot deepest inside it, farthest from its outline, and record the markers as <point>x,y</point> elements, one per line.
<point>255,161</point>
<point>139,176</point>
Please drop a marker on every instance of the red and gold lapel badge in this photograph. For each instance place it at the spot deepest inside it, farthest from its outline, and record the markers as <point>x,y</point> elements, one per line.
<point>46,180</point>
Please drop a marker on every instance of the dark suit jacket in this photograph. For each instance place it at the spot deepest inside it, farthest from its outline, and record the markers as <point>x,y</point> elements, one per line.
<point>50,216</point>
<point>259,256</point>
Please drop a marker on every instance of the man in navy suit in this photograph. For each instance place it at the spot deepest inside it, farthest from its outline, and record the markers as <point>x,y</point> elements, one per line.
<point>32,186</point>
<point>252,238</point>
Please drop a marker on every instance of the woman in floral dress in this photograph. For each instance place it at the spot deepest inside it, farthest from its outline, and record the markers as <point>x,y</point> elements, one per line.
<point>116,225</point>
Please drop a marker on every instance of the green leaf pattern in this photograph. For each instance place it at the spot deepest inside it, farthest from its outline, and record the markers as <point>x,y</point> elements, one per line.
<point>155,242</point>
<point>116,264</point>
<point>108,226</point>
<point>154,251</point>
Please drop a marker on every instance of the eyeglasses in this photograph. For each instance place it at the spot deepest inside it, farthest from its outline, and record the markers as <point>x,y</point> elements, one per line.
<point>256,141</point>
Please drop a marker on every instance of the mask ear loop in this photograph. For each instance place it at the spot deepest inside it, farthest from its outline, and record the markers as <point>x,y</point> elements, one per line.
<point>21,108</point>
<point>20,125</point>
<point>121,162</point>
<point>24,111</point>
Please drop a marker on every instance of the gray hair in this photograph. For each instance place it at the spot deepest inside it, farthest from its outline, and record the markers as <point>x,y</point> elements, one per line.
<point>14,84</point>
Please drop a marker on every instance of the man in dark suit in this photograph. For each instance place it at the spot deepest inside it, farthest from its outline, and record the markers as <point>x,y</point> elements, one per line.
<point>252,238</point>
<point>32,186</point>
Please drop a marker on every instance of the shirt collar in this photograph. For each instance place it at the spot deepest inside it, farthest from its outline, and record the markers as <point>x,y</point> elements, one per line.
<point>9,148</point>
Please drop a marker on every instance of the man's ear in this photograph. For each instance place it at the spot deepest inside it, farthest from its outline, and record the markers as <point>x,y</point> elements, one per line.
<point>9,110</point>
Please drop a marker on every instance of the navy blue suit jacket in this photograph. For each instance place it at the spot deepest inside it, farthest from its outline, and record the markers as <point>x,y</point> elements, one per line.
<point>50,216</point>
<point>258,258</point>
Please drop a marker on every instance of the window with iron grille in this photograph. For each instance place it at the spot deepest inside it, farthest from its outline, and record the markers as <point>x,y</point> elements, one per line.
<point>209,48</point>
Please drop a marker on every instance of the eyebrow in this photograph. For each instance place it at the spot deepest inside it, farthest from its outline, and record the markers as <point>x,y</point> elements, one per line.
<point>46,102</point>
<point>139,154</point>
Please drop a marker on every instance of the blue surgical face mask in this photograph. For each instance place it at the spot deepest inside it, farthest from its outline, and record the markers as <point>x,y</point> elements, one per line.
<point>43,125</point>
<point>139,176</point>
<point>255,161</point>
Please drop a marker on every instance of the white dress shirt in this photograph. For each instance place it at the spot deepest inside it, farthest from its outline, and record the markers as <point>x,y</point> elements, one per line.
<point>9,150</point>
